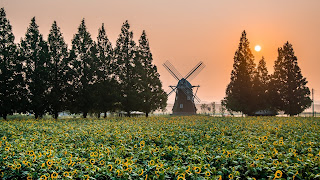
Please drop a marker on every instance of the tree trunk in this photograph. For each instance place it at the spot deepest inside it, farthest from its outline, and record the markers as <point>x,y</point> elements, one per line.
<point>5,116</point>
<point>56,114</point>
<point>98,115</point>
<point>128,114</point>
<point>36,116</point>
<point>85,115</point>
<point>105,115</point>
<point>147,114</point>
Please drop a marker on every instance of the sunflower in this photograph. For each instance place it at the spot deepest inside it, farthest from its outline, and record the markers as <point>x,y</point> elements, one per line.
<point>140,174</point>
<point>151,163</point>
<point>43,177</point>
<point>197,170</point>
<point>110,167</point>
<point>102,162</point>
<point>49,162</point>
<point>66,174</point>
<point>117,161</point>
<point>278,174</point>
<point>54,175</point>
<point>92,161</point>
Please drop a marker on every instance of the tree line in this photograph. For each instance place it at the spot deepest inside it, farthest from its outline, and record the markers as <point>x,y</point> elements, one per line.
<point>41,76</point>
<point>252,89</point>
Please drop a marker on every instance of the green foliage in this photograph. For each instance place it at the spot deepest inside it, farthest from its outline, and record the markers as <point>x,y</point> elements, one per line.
<point>126,71</point>
<point>35,56</point>
<point>59,71</point>
<point>43,77</point>
<point>84,70</point>
<point>105,88</point>
<point>289,91</point>
<point>153,97</point>
<point>261,87</point>
<point>252,89</point>
<point>240,89</point>
<point>193,147</point>
<point>10,70</point>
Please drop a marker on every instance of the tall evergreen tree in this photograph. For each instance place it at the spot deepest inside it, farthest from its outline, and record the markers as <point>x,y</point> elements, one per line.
<point>260,87</point>
<point>239,91</point>
<point>34,51</point>
<point>59,70</point>
<point>153,97</point>
<point>11,79</point>
<point>290,93</point>
<point>105,90</point>
<point>84,69</point>
<point>126,73</point>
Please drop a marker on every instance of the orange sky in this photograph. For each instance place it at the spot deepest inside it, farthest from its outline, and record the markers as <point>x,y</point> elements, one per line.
<point>186,31</point>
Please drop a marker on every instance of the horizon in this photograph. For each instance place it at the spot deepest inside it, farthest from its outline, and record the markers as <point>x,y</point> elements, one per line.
<point>206,31</point>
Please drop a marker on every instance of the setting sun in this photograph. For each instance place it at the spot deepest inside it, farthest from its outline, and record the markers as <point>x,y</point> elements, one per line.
<point>257,48</point>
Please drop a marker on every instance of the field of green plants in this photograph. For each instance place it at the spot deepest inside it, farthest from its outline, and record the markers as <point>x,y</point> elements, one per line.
<point>194,147</point>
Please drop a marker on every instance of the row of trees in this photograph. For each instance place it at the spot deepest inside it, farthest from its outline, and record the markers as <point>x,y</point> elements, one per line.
<point>40,77</point>
<point>252,89</point>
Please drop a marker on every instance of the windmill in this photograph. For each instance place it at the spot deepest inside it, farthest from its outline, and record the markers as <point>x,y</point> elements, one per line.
<point>185,99</point>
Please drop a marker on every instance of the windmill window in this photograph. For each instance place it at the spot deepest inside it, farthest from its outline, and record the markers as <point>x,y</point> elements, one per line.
<point>181,106</point>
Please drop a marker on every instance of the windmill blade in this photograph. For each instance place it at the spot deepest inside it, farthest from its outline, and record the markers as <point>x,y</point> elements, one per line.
<point>172,70</point>
<point>192,76</point>
<point>169,70</point>
<point>192,70</point>
<point>196,98</point>
<point>173,90</point>
<point>196,70</point>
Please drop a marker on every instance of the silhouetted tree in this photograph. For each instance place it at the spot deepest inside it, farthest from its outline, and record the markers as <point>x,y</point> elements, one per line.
<point>213,106</point>
<point>289,91</point>
<point>125,71</point>
<point>204,107</point>
<point>34,51</point>
<point>239,91</point>
<point>59,71</point>
<point>105,89</point>
<point>222,108</point>
<point>260,87</point>
<point>11,79</point>
<point>153,97</point>
<point>83,70</point>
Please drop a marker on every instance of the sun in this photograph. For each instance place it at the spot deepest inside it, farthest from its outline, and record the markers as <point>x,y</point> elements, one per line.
<point>257,48</point>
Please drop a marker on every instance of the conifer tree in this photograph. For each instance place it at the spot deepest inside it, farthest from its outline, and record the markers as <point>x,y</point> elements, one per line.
<point>34,51</point>
<point>125,71</point>
<point>239,91</point>
<point>83,71</point>
<point>290,93</point>
<point>153,96</point>
<point>11,79</point>
<point>260,87</point>
<point>59,71</point>
<point>105,90</point>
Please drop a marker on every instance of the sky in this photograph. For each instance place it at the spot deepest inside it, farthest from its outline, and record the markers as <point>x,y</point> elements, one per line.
<point>186,32</point>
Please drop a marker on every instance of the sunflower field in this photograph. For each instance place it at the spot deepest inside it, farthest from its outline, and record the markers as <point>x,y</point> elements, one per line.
<point>191,147</point>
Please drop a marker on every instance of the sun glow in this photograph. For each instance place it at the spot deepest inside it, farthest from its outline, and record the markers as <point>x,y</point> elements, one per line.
<point>257,48</point>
